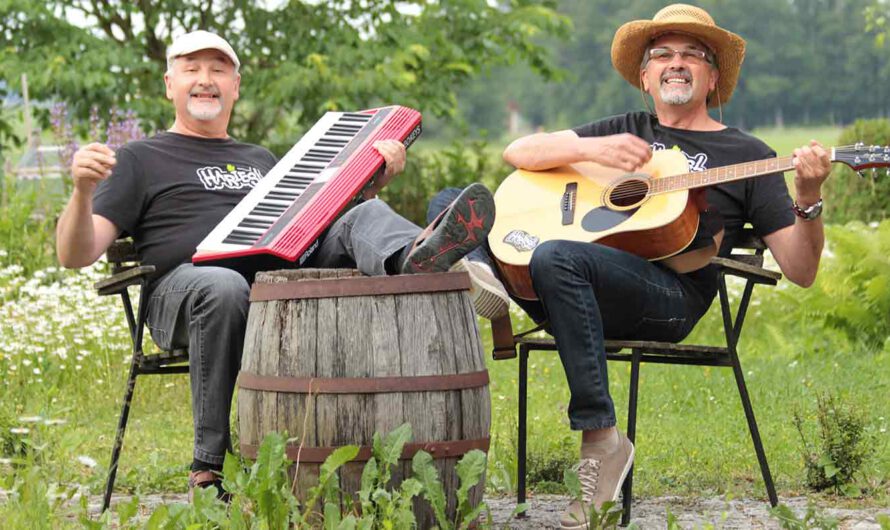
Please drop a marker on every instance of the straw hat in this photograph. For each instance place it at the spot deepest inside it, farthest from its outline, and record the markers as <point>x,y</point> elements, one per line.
<point>632,38</point>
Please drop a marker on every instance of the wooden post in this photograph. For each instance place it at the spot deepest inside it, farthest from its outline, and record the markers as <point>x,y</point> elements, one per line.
<point>26,110</point>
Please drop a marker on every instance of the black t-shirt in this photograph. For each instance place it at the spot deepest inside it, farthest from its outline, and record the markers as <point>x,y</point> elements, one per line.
<point>169,191</point>
<point>762,201</point>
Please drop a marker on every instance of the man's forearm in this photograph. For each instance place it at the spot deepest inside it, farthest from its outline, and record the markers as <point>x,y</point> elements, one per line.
<point>75,235</point>
<point>544,151</point>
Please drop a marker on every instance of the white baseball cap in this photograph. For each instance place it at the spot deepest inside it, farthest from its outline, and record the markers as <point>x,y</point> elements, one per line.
<point>201,40</point>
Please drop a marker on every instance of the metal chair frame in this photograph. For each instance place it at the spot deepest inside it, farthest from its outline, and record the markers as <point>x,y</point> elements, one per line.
<point>126,272</point>
<point>747,266</point>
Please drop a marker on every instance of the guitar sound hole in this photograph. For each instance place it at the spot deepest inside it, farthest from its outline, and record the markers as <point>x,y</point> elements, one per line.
<point>629,193</point>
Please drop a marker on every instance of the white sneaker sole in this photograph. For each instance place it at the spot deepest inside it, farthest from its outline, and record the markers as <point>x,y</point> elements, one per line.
<point>490,300</point>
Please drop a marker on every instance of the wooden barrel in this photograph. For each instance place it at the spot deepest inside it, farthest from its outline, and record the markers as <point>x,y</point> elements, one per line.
<point>331,356</point>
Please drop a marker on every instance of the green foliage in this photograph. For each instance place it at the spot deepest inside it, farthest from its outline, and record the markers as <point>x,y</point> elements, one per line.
<point>28,213</point>
<point>812,519</point>
<point>428,172</point>
<point>843,445</point>
<point>884,521</point>
<point>298,58</point>
<point>851,197</point>
<point>852,292</point>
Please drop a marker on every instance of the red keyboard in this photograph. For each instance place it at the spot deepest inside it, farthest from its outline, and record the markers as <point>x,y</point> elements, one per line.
<point>286,212</point>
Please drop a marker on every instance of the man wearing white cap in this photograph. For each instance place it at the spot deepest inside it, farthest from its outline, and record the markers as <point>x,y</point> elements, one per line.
<point>590,292</point>
<point>169,191</point>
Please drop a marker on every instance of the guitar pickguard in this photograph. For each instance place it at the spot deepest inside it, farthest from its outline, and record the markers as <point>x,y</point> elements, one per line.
<point>602,218</point>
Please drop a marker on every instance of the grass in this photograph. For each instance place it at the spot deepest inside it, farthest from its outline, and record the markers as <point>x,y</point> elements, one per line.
<point>64,353</point>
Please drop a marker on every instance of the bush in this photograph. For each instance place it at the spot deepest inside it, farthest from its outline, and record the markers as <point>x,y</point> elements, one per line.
<point>843,446</point>
<point>852,293</point>
<point>27,224</point>
<point>851,197</point>
<point>428,172</point>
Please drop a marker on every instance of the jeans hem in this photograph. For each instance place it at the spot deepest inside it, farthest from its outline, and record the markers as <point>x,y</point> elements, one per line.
<point>578,426</point>
<point>204,456</point>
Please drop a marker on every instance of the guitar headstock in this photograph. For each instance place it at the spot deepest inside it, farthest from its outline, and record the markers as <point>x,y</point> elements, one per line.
<point>860,156</point>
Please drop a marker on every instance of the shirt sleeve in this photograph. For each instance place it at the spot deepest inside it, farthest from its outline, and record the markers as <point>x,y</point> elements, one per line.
<point>769,204</point>
<point>121,197</point>
<point>604,127</point>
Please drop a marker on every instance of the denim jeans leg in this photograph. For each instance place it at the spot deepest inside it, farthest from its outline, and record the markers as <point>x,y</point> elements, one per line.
<point>205,310</point>
<point>364,238</point>
<point>591,293</point>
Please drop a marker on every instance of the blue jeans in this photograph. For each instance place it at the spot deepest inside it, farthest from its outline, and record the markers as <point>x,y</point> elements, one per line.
<point>205,309</point>
<point>589,293</point>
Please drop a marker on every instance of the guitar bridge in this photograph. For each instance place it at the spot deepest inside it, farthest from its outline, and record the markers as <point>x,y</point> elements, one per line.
<point>569,198</point>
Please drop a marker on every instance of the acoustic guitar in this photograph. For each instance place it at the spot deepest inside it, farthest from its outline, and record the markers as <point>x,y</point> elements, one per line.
<point>649,212</point>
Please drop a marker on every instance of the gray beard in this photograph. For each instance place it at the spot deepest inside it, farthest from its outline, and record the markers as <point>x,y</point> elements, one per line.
<point>204,114</point>
<point>675,97</point>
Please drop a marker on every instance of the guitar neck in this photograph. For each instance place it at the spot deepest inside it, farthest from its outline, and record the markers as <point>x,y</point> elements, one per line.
<point>717,175</point>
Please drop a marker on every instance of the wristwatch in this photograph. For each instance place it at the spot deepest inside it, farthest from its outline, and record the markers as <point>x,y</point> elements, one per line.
<point>810,212</point>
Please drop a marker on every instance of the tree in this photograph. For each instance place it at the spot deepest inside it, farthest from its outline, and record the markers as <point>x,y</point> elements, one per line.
<point>299,59</point>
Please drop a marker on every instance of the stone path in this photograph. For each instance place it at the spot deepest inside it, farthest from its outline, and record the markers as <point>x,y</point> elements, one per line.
<point>647,513</point>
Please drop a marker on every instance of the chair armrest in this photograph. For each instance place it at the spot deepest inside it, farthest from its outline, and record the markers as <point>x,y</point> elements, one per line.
<point>502,338</point>
<point>116,283</point>
<point>741,269</point>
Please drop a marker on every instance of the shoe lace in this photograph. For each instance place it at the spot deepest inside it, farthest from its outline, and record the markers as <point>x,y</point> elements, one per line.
<point>588,475</point>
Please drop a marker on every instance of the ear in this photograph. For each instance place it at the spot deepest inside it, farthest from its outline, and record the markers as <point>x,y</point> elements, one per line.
<point>169,86</point>
<point>643,81</point>
<point>715,75</point>
<point>237,93</point>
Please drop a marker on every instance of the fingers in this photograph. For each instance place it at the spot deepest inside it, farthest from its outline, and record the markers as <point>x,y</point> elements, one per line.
<point>622,151</point>
<point>812,160</point>
<point>92,163</point>
<point>393,153</point>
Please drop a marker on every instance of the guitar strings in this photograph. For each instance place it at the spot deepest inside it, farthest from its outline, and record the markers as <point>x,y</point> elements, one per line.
<point>846,149</point>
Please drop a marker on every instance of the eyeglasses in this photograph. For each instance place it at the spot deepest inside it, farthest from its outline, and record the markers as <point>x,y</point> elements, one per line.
<point>664,55</point>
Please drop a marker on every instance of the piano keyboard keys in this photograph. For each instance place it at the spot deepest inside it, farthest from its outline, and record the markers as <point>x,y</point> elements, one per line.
<point>301,175</point>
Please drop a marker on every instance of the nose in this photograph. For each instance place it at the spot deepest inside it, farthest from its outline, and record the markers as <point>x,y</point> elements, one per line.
<point>204,76</point>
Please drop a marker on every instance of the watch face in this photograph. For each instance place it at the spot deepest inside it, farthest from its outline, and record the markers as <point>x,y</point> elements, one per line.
<point>811,212</point>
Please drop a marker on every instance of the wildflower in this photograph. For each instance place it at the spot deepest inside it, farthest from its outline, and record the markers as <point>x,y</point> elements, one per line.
<point>20,430</point>
<point>30,419</point>
<point>87,461</point>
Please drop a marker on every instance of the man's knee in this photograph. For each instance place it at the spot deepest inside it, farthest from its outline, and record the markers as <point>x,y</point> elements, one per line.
<point>224,289</point>
<point>368,209</point>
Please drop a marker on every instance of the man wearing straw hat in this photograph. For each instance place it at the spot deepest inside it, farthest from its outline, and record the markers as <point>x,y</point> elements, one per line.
<point>590,292</point>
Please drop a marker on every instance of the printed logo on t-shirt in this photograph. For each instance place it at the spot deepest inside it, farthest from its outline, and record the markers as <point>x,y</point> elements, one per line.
<point>698,162</point>
<point>229,178</point>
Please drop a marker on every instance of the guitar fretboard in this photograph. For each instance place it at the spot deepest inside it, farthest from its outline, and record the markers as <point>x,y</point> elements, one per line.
<point>717,175</point>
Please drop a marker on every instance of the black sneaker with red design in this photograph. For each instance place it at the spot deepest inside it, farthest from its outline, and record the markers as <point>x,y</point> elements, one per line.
<point>459,229</point>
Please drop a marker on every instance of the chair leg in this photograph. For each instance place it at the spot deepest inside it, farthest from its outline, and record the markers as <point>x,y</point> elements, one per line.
<point>523,413</point>
<point>755,432</point>
<point>119,438</point>
<point>627,487</point>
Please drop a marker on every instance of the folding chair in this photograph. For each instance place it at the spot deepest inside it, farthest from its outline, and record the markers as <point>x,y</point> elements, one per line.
<point>745,265</point>
<point>127,271</point>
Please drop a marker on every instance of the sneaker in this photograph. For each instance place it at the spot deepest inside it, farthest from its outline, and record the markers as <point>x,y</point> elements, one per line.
<point>462,227</point>
<point>207,479</point>
<point>601,479</point>
<point>490,299</point>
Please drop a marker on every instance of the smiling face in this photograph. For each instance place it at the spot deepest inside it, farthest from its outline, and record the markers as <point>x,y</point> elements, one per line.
<point>203,87</point>
<point>678,73</point>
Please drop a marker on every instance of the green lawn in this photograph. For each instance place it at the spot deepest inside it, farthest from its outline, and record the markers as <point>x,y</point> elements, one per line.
<point>63,354</point>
